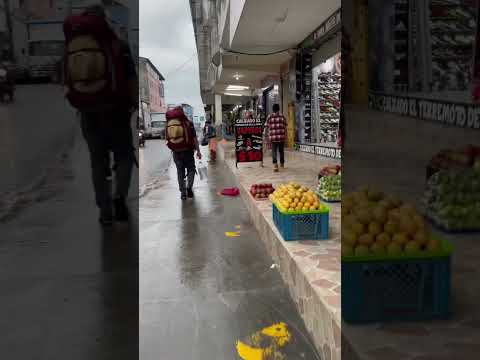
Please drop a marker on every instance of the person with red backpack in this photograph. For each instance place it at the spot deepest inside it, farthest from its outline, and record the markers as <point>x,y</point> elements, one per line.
<point>182,140</point>
<point>100,78</point>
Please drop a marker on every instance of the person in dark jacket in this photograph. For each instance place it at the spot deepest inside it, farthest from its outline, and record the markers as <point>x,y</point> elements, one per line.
<point>111,132</point>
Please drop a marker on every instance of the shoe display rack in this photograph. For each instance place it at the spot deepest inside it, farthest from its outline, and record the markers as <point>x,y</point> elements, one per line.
<point>329,86</point>
<point>452,35</point>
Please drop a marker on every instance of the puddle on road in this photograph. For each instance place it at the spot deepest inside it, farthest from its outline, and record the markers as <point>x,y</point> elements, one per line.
<point>45,187</point>
<point>159,181</point>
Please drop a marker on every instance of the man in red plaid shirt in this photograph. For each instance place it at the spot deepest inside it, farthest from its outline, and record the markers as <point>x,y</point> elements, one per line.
<point>277,132</point>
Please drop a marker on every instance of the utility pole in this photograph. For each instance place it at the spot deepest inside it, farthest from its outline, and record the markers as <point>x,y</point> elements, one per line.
<point>8,20</point>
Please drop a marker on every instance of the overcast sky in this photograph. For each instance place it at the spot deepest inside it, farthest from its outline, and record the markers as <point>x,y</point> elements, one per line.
<point>167,39</point>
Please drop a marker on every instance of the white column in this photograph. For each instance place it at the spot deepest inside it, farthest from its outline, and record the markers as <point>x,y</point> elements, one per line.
<point>218,109</point>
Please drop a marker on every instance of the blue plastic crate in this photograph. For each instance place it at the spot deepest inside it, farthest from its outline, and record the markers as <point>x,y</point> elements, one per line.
<point>384,291</point>
<point>309,226</point>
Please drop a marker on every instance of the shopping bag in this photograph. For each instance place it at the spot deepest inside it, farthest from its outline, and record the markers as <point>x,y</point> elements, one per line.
<point>202,170</point>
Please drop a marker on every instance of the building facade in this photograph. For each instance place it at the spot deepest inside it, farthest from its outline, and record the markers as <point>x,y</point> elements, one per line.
<point>151,87</point>
<point>254,54</point>
<point>23,12</point>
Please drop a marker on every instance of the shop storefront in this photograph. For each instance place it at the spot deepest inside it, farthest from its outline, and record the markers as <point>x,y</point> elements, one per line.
<point>424,74</point>
<point>326,101</point>
<point>269,95</point>
<point>318,84</point>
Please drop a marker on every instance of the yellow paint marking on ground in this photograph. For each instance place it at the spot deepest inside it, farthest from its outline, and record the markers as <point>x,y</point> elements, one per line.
<point>249,353</point>
<point>279,332</point>
<point>232,234</point>
<point>273,337</point>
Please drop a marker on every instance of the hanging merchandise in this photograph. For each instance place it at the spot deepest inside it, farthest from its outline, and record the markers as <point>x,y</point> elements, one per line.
<point>307,96</point>
<point>329,85</point>
<point>326,104</point>
<point>452,29</point>
<point>476,62</point>
<point>401,31</point>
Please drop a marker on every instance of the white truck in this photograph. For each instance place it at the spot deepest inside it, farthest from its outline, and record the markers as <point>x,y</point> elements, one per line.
<point>158,125</point>
<point>45,50</point>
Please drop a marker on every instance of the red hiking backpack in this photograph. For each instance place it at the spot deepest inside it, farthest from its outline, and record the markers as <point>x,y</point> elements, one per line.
<point>94,66</point>
<point>178,131</point>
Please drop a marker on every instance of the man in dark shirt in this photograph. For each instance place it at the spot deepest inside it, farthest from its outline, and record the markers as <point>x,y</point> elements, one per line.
<point>106,132</point>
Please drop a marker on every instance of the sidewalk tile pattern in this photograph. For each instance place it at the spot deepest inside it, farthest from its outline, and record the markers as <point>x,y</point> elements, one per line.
<point>311,269</point>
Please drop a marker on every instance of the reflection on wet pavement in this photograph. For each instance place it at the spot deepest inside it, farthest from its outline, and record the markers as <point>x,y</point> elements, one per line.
<point>201,291</point>
<point>69,288</point>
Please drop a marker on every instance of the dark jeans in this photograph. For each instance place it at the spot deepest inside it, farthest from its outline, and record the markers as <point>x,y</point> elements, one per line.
<point>185,160</point>
<point>104,134</point>
<point>278,147</point>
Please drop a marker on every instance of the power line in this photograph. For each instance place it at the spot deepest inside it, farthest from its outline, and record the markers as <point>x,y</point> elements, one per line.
<point>181,66</point>
<point>258,54</point>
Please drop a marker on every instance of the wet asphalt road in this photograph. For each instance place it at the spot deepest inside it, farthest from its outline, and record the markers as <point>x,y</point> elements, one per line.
<point>200,290</point>
<point>154,168</point>
<point>34,131</point>
<point>68,288</point>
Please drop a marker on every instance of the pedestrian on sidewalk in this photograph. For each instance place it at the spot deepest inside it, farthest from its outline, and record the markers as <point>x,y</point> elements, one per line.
<point>276,125</point>
<point>106,97</point>
<point>210,133</point>
<point>182,140</point>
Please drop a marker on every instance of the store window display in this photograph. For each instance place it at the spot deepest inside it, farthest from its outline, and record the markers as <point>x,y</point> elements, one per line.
<point>423,48</point>
<point>326,105</point>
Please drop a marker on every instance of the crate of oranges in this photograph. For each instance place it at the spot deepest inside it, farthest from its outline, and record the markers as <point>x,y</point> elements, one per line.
<point>299,214</point>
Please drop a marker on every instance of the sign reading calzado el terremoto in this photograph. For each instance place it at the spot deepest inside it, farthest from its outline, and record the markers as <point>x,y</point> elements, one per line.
<point>455,114</point>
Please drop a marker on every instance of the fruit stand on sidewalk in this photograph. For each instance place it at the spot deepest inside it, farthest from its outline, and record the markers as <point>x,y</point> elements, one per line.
<point>432,284</point>
<point>310,267</point>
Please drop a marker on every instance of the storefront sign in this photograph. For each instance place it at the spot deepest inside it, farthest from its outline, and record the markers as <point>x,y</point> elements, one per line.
<point>454,114</point>
<point>248,140</point>
<point>330,152</point>
<point>328,25</point>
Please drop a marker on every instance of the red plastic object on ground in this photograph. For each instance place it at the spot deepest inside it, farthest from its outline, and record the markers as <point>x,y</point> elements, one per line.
<point>231,192</point>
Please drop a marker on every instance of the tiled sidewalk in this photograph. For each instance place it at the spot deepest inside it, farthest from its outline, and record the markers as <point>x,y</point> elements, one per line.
<point>311,269</point>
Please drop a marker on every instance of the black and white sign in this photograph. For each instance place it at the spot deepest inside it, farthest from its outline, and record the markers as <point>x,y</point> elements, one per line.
<point>249,140</point>
<point>328,25</point>
<point>454,114</point>
<point>326,151</point>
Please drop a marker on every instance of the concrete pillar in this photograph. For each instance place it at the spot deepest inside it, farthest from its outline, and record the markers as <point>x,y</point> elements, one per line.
<point>218,110</point>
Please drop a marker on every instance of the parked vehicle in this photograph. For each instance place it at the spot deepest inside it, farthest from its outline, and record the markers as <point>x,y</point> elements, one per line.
<point>158,125</point>
<point>18,73</point>
<point>46,46</point>
<point>7,87</point>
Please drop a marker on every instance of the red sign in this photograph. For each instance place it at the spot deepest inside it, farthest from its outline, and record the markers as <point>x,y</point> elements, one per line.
<point>249,140</point>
